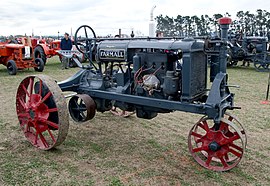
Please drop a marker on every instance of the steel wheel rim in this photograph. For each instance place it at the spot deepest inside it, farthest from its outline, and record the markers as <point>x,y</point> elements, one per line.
<point>229,153</point>
<point>82,107</point>
<point>231,118</point>
<point>42,112</point>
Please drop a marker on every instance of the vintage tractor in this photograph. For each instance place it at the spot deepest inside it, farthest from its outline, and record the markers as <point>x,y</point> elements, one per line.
<point>146,76</point>
<point>250,49</point>
<point>256,49</point>
<point>45,50</point>
<point>19,56</point>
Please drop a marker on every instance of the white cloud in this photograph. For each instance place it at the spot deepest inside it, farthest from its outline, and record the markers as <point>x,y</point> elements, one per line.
<point>105,16</point>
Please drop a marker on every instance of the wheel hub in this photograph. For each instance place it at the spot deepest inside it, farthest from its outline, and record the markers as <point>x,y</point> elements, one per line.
<point>32,114</point>
<point>214,146</point>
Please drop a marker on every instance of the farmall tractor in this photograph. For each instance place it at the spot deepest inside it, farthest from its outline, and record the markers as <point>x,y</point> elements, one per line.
<point>146,76</point>
<point>19,56</point>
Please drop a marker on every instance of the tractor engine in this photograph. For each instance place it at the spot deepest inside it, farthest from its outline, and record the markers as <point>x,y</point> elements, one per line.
<point>169,69</point>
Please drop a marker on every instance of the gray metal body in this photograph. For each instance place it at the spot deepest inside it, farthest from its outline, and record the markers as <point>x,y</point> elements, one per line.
<point>178,67</point>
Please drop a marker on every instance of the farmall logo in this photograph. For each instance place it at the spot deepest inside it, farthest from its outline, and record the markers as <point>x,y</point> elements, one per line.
<point>112,54</point>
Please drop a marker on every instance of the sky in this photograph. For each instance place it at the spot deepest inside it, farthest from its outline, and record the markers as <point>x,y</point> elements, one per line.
<point>48,17</point>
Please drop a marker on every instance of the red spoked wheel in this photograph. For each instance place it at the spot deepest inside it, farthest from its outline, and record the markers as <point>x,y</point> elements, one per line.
<point>118,112</point>
<point>227,132</point>
<point>42,111</point>
<point>218,150</point>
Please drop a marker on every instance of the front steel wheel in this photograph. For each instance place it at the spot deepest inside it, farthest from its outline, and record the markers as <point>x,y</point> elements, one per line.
<point>218,150</point>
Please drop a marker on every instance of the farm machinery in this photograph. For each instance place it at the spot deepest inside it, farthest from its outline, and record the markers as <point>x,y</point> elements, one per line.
<point>45,50</point>
<point>250,49</point>
<point>146,76</point>
<point>19,56</point>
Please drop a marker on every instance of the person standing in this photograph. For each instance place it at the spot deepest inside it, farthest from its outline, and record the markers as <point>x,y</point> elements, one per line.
<point>65,44</point>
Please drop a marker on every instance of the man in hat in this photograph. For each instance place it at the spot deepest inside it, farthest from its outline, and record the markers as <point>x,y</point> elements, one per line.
<point>65,44</point>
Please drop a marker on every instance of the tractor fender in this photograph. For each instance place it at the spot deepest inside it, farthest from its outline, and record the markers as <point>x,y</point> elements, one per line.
<point>45,48</point>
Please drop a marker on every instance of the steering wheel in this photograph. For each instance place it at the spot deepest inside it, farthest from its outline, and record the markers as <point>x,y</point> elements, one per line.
<point>90,43</point>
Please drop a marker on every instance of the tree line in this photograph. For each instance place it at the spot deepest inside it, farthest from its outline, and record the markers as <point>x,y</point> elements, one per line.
<point>257,24</point>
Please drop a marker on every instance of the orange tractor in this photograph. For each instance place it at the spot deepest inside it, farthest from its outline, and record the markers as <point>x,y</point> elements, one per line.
<point>19,56</point>
<point>45,50</point>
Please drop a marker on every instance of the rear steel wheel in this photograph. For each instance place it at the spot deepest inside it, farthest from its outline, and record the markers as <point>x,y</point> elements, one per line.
<point>42,112</point>
<point>218,150</point>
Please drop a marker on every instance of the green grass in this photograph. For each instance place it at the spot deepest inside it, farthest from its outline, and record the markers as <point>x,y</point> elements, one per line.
<point>110,150</point>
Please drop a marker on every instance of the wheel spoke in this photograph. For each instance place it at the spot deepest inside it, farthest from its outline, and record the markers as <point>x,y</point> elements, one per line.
<point>46,97</point>
<point>36,137</point>
<point>226,157</point>
<point>196,135</point>
<point>76,103</point>
<point>224,163</point>
<point>236,147</point>
<point>43,140</point>
<point>27,128</point>
<point>50,132</point>
<point>208,161</point>
<point>198,149</point>
<point>52,124</point>
<point>25,90</point>
<point>53,110</point>
<point>204,126</point>
<point>80,104</point>
<point>23,115</point>
<point>235,153</point>
<point>23,104</point>
<point>31,84</point>
<point>231,139</point>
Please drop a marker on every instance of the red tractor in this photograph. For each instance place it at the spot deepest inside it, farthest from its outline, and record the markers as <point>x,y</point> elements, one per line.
<point>19,56</point>
<point>45,50</point>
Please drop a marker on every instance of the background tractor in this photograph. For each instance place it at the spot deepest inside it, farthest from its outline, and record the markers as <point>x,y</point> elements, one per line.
<point>250,49</point>
<point>19,56</point>
<point>45,50</point>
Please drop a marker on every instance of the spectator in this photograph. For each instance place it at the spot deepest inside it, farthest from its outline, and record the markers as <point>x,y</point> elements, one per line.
<point>65,44</point>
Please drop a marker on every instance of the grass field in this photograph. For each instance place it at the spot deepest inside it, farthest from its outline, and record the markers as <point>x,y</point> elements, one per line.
<point>110,150</point>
